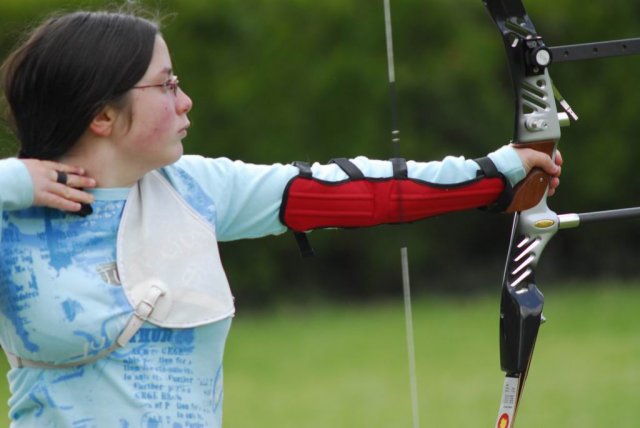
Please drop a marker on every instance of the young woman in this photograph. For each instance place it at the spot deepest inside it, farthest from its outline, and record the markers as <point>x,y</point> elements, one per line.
<point>114,307</point>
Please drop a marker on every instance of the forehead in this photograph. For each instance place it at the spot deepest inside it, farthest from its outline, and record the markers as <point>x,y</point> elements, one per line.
<point>160,60</point>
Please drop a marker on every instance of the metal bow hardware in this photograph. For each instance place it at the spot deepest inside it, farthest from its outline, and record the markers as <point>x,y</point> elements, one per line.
<point>537,125</point>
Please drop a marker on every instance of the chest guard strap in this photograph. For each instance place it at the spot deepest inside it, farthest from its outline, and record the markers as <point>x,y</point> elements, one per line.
<point>138,318</point>
<point>310,203</point>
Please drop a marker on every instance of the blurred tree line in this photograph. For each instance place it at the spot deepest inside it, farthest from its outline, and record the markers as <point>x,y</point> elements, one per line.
<point>286,80</point>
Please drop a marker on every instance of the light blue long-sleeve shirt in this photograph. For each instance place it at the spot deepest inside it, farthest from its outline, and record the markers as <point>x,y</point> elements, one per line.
<point>60,294</point>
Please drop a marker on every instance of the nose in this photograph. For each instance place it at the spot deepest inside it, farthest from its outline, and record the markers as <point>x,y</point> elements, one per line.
<point>184,102</point>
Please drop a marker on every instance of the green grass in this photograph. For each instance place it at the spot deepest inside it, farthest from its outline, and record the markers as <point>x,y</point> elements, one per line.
<point>345,366</point>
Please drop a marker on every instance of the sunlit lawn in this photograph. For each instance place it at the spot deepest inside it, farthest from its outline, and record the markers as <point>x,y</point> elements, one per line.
<point>346,366</point>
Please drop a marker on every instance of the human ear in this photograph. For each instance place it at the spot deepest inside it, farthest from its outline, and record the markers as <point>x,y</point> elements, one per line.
<point>103,123</point>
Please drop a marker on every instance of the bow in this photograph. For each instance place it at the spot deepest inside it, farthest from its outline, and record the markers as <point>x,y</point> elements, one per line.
<point>537,125</point>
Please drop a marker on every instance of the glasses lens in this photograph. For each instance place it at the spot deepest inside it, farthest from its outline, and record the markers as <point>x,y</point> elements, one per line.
<point>173,85</point>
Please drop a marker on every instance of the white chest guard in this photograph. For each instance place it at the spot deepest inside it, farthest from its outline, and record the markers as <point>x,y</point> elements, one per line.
<point>164,247</point>
<point>169,267</point>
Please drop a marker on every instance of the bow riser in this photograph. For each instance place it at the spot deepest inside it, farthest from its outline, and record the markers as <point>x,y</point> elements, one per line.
<point>536,113</point>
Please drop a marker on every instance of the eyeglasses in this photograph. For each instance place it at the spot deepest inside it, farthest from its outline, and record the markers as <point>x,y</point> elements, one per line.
<point>169,85</point>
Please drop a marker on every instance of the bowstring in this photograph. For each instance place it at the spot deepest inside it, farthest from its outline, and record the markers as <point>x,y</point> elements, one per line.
<point>404,252</point>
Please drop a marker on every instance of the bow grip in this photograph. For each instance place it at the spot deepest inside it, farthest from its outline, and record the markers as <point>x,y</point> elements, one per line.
<point>531,189</point>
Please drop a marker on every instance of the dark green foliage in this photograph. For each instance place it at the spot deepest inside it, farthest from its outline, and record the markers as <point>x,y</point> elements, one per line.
<point>285,80</point>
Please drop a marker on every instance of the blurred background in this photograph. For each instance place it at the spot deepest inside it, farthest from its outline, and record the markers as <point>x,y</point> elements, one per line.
<point>286,80</point>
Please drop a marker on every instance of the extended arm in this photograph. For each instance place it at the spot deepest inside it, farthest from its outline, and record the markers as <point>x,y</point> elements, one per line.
<point>368,193</point>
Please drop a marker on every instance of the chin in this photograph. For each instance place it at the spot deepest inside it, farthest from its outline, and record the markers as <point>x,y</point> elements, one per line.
<point>178,152</point>
<point>172,156</point>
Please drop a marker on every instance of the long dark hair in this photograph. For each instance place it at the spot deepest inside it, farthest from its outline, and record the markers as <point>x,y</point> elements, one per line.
<point>67,71</point>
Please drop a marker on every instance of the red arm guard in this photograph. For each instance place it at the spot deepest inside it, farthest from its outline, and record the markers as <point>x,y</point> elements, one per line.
<point>310,203</point>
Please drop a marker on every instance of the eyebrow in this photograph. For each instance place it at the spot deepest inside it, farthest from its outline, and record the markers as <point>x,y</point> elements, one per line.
<point>166,70</point>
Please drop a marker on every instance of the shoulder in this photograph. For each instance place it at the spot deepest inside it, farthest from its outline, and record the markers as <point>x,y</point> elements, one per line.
<point>192,177</point>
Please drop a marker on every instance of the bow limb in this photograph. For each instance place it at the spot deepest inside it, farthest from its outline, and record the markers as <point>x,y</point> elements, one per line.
<point>536,125</point>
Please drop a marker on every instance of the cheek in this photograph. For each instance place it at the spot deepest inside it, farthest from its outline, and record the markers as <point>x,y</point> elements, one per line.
<point>152,125</point>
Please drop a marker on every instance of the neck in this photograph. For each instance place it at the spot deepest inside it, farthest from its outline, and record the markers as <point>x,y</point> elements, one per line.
<point>103,164</point>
